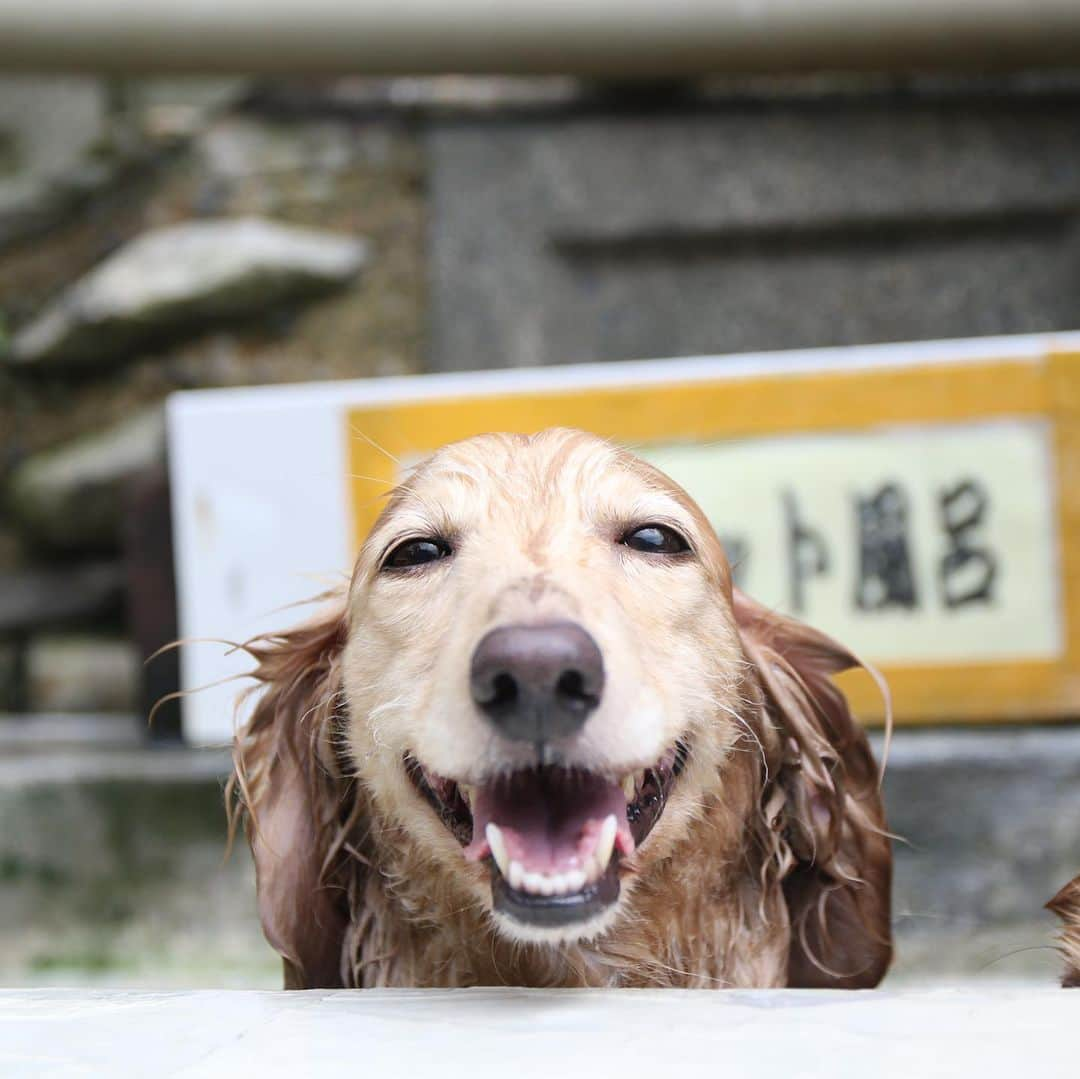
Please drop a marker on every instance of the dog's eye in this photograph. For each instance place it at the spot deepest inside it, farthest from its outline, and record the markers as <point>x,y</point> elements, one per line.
<point>416,552</point>
<point>655,539</point>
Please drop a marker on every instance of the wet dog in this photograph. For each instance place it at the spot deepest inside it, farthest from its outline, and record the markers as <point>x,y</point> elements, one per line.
<point>541,740</point>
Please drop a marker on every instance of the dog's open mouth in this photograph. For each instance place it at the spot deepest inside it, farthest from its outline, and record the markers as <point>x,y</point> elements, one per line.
<point>555,836</point>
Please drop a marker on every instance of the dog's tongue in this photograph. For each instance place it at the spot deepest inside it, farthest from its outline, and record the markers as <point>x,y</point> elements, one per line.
<point>550,820</point>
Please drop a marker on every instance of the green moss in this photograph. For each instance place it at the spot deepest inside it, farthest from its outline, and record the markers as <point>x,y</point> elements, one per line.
<point>91,956</point>
<point>14,869</point>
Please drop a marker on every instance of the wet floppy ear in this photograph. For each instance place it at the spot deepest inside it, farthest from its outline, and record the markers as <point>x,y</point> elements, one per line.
<point>1066,905</point>
<point>287,787</point>
<point>822,804</point>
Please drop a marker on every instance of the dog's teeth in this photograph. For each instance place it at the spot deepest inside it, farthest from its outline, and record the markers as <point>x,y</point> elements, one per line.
<point>516,876</point>
<point>467,794</point>
<point>629,786</point>
<point>606,844</point>
<point>498,848</point>
<point>573,880</point>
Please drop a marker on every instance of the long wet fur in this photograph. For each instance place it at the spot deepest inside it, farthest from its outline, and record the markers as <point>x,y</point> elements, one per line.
<point>815,841</point>
<point>782,874</point>
<point>1066,905</point>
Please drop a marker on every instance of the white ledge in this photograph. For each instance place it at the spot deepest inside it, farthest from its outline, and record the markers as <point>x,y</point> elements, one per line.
<point>515,1033</point>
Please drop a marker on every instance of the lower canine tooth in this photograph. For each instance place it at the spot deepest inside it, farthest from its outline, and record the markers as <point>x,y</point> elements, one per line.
<point>606,843</point>
<point>629,787</point>
<point>498,848</point>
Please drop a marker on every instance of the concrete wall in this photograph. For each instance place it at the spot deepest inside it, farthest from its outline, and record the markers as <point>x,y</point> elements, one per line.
<point>113,867</point>
<point>767,223</point>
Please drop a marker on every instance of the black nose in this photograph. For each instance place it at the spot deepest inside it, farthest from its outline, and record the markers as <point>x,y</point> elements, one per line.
<point>537,683</point>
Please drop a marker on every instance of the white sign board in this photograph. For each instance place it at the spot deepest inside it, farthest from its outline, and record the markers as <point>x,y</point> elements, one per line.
<point>911,499</point>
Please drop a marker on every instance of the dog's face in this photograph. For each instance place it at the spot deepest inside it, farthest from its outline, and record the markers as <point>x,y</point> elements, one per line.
<point>541,672</point>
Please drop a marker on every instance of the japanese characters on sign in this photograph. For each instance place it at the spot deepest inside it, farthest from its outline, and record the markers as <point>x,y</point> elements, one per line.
<point>933,544</point>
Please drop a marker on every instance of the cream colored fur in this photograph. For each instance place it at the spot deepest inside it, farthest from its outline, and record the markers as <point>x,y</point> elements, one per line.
<point>769,865</point>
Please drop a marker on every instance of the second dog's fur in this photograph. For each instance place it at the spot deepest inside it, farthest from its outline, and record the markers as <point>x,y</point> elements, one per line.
<point>1066,905</point>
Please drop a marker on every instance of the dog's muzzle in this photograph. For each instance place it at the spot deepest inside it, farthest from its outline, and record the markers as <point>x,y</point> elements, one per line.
<point>555,835</point>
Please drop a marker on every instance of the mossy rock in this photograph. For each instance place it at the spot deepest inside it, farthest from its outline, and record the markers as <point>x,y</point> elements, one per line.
<point>71,498</point>
<point>174,282</point>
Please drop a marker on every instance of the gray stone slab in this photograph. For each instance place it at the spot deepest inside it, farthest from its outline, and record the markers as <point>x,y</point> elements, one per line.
<point>113,868</point>
<point>751,226</point>
<point>46,732</point>
<point>989,823</point>
<point>32,599</point>
<point>67,672</point>
<point>87,764</point>
<point>111,852</point>
<point>181,278</point>
<point>72,497</point>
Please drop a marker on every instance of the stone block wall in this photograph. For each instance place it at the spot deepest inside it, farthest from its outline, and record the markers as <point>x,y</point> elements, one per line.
<point>754,222</point>
<point>491,223</point>
<point>154,238</point>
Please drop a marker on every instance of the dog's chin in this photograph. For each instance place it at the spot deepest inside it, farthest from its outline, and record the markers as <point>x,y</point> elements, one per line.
<point>577,932</point>
<point>557,841</point>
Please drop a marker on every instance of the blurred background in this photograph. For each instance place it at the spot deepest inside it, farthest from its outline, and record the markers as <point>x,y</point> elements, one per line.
<point>238,194</point>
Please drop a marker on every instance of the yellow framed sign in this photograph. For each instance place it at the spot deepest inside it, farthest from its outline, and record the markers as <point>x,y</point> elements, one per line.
<point>921,503</point>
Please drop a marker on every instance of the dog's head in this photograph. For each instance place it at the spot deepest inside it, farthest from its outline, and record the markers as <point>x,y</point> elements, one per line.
<point>542,649</point>
<point>539,678</point>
